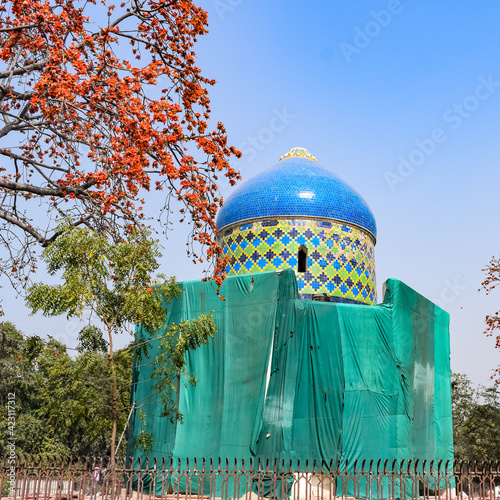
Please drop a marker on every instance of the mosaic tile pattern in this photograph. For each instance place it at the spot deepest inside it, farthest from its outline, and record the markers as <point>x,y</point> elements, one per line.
<point>300,187</point>
<point>340,260</point>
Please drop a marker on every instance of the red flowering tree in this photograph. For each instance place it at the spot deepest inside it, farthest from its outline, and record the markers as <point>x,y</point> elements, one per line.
<point>493,320</point>
<point>100,103</point>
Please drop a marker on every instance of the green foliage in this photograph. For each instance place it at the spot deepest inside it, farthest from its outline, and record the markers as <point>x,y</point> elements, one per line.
<point>91,339</point>
<point>16,375</point>
<point>32,347</point>
<point>113,282</point>
<point>476,420</point>
<point>170,363</point>
<point>10,338</point>
<point>62,404</point>
<point>145,439</point>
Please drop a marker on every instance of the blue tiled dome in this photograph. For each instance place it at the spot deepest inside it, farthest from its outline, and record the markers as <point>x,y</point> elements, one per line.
<point>296,186</point>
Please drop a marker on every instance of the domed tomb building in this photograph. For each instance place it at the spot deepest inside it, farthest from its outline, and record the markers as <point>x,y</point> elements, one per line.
<point>336,380</point>
<point>297,214</point>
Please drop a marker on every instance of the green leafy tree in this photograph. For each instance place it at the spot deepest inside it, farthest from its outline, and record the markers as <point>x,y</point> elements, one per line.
<point>62,405</point>
<point>78,405</point>
<point>113,283</point>
<point>476,420</point>
<point>17,377</point>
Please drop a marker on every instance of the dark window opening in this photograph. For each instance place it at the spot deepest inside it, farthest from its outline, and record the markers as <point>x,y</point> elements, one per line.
<point>302,265</point>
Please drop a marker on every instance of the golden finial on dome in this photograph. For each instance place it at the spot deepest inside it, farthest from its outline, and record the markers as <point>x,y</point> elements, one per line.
<point>300,152</point>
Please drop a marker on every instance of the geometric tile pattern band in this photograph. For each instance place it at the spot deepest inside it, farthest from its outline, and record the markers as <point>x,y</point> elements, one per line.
<point>340,257</point>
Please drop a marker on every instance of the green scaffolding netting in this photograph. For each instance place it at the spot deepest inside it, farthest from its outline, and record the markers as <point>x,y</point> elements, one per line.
<point>301,380</point>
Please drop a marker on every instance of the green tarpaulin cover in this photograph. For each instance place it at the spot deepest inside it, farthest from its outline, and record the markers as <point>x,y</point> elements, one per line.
<point>286,378</point>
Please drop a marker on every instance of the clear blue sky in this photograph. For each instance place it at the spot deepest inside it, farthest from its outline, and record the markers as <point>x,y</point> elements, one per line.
<point>364,81</point>
<point>399,98</point>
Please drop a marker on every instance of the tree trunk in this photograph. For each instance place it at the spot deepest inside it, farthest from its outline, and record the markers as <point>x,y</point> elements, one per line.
<point>112,465</point>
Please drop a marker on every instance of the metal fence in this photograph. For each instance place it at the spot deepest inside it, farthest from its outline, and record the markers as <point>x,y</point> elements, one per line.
<point>59,478</point>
